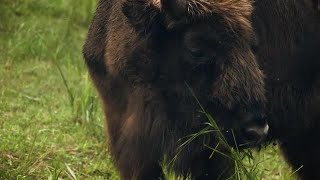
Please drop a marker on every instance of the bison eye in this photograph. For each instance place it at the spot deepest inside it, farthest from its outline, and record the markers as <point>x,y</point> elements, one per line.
<point>197,53</point>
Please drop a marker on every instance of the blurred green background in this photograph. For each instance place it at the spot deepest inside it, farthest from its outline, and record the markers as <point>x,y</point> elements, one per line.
<point>51,125</point>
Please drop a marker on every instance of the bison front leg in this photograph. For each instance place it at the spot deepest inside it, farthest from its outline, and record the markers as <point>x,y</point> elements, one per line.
<point>138,168</point>
<point>137,150</point>
<point>136,160</point>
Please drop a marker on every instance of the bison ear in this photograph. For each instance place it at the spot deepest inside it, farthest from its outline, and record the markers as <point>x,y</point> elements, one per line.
<point>142,15</point>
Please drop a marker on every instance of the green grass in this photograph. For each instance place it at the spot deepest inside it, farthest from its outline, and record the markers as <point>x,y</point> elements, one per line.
<point>51,124</point>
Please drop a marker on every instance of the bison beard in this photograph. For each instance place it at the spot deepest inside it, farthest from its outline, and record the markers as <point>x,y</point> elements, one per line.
<point>288,51</point>
<point>140,53</point>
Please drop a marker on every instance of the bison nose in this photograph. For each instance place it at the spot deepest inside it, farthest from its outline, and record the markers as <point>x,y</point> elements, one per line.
<point>255,129</point>
<point>256,133</point>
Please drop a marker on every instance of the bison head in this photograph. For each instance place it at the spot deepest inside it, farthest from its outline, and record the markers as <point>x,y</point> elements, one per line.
<point>208,45</point>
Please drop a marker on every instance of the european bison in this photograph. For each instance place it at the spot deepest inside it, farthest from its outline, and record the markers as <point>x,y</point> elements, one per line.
<point>288,33</point>
<point>143,55</point>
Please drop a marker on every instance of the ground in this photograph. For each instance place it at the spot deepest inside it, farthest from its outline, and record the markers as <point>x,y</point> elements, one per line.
<point>51,125</point>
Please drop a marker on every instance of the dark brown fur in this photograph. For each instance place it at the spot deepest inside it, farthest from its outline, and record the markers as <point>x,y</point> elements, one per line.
<point>135,53</point>
<point>289,53</point>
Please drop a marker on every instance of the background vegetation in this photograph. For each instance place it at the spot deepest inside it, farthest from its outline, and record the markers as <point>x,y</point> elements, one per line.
<point>51,125</point>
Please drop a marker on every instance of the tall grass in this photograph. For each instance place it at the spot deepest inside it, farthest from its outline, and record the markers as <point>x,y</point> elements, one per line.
<point>50,34</point>
<point>51,127</point>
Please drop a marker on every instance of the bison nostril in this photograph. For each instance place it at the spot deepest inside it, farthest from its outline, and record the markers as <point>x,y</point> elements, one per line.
<point>256,133</point>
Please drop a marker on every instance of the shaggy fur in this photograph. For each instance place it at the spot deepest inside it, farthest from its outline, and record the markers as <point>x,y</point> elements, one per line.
<point>288,51</point>
<point>140,55</point>
<point>235,12</point>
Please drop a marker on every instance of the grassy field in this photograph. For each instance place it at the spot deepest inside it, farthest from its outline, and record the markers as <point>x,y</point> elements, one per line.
<point>51,125</point>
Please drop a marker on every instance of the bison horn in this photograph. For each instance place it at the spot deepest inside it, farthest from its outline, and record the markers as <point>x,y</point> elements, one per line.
<point>175,8</point>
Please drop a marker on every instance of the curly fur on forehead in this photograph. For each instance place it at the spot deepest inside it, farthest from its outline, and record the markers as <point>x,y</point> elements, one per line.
<point>234,12</point>
<point>156,3</point>
<point>203,7</point>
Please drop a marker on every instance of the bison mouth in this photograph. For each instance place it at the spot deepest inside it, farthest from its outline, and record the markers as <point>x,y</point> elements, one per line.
<point>246,137</point>
<point>243,130</point>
